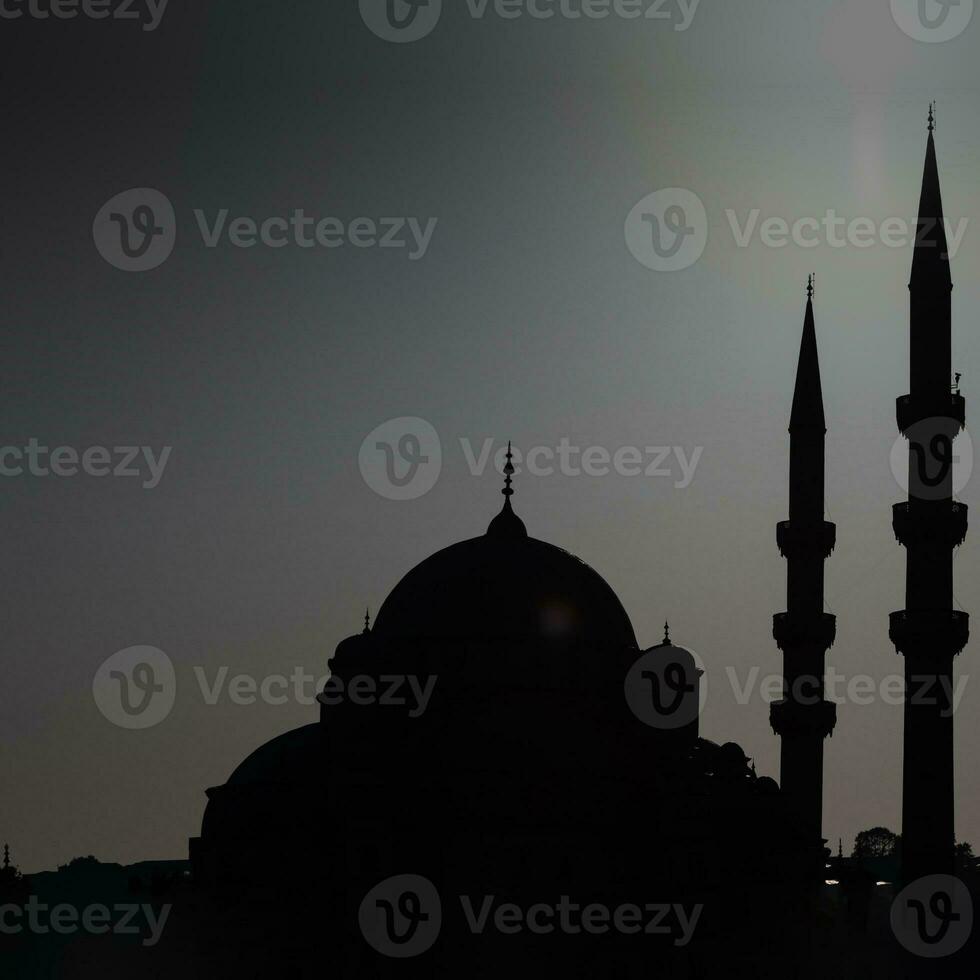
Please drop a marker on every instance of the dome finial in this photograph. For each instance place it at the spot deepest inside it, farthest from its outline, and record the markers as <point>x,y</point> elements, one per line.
<point>507,523</point>
<point>367,620</point>
<point>508,490</point>
<point>932,116</point>
<point>666,634</point>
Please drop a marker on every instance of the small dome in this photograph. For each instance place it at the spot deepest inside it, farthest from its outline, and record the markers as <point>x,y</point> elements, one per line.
<point>505,585</point>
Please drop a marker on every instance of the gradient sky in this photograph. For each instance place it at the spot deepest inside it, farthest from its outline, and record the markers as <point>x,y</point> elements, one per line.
<point>527,319</point>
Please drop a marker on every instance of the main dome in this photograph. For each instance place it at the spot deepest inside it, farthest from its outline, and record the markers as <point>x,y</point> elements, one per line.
<point>505,586</point>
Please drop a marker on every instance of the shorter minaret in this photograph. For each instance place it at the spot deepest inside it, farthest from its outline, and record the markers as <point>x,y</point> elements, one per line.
<point>804,633</point>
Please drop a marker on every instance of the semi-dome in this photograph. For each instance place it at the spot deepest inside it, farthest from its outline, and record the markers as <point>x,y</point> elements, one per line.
<point>507,586</point>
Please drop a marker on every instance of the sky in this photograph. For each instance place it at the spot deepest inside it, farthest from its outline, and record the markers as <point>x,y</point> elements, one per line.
<point>519,146</point>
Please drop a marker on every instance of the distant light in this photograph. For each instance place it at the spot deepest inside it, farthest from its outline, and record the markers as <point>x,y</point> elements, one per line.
<point>831,881</point>
<point>882,882</point>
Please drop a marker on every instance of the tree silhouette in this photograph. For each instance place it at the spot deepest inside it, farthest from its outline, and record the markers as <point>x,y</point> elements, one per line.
<point>876,842</point>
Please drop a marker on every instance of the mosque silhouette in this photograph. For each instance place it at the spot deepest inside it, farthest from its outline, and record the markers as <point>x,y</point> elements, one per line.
<point>556,760</point>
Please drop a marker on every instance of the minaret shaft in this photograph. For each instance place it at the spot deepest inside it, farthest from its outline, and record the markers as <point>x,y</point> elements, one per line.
<point>928,631</point>
<point>803,718</point>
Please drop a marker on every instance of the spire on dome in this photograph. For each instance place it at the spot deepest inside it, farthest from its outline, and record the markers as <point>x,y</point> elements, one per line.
<point>930,258</point>
<point>807,410</point>
<point>507,523</point>
<point>666,634</point>
<point>367,621</point>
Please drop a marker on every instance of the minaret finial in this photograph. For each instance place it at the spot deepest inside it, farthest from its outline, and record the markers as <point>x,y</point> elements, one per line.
<point>508,490</point>
<point>367,620</point>
<point>809,286</point>
<point>932,116</point>
<point>666,634</point>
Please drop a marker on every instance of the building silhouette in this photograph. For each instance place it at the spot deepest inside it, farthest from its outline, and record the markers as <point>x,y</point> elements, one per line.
<point>501,732</point>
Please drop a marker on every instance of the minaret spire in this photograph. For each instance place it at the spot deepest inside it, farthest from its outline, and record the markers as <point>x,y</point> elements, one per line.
<point>807,412</point>
<point>931,254</point>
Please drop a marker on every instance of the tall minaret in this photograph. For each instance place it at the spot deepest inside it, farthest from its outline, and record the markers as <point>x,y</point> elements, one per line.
<point>930,525</point>
<point>804,633</point>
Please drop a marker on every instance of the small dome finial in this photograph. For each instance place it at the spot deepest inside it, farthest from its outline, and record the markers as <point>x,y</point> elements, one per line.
<point>6,856</point>
<point>809,286</point>
<point>367,620</point>
<point>508,490</point>
<point>932,116</point>
<point>666,634</point>
<point>507,523</point>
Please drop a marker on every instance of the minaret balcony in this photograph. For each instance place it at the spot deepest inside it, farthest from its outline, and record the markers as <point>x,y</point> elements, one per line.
<point>793,632</point>
<point>791,718</point>
<point>811,540</point>
<point>908,411</point>
<point>928,630</point>
<point>942,529</point>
